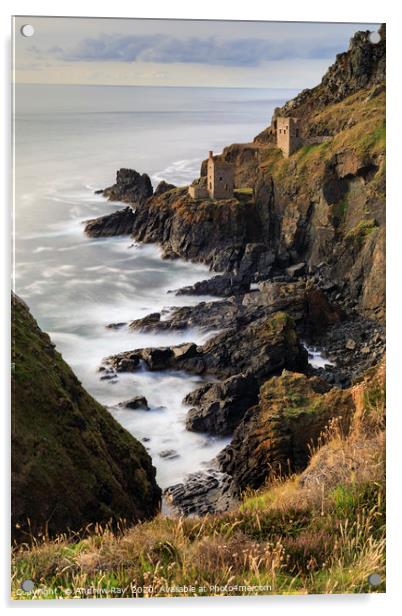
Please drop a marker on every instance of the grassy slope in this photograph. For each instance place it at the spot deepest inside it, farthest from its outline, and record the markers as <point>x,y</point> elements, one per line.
<point>318,532</point>
<point>358,126</point>
<point>72,463</point>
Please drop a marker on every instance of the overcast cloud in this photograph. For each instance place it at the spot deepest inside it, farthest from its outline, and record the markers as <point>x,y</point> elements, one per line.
<point>178,52</point>
<point>210,50</point>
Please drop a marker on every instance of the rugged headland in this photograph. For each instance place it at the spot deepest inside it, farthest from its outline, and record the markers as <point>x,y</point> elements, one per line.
<point>299,254</point>
<point>299,259</point>
<point>323,206</point>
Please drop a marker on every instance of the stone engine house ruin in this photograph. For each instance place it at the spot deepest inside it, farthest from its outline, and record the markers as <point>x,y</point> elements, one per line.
<point>219,182</point>
<point>288,137</point>
<point>220,178</point>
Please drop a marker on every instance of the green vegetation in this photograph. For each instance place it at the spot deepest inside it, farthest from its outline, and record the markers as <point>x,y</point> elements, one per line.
<point>319,532</point>
<point>297,404</point>
<point>244,195</point>
<point>244,191</point>
<point>312,151</point>
<point>357,125</point>
<point>374,140</point>
<point>362,230</point>
<point>340,210</point>
<point>281,323</point>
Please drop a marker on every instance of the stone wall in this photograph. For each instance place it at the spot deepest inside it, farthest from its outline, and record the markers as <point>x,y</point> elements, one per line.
<point>198,192</point>
<point>287,135</point>
<point>198,189</point>
<point>220,177</point>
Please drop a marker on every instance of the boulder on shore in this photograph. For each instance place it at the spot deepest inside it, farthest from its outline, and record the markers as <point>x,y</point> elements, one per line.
<point>223,285</point>
<point>138,402</point>
<point>221,406</point>
<point>203,492</point>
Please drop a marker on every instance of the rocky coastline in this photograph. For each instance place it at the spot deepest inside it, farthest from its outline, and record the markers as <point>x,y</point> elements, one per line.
<point>298,262</point>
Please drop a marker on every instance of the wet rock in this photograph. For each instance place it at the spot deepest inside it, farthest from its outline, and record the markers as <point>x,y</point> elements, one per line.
<point>201,231</point>
<point>138,402</point>
<point>260,348</point>
<point>223,285</point>
<point>168,454</point>
<point>296,270</point>
<point>146,322</point>
<point>203,492</point>
<point>205,315</point>
<point>128,363</point>
<point>117,223</point>
<point>108,376</point>
<point>157,359</point>
<point>130,186</point>
<point>221,406</point>
<point>319,312</point>
<point>185,351</point>
<point>367,337</point>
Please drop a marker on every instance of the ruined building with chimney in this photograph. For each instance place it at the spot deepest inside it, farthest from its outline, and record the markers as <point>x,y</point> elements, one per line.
<point>219,182</point>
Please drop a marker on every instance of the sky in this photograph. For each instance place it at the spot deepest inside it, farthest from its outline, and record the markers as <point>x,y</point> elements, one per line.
<point>156,52</point>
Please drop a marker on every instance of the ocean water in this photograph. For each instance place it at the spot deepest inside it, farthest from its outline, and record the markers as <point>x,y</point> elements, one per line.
<point>69,141</point>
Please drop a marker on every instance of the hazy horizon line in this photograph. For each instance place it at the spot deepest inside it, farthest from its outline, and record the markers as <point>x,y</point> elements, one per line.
<point>125,85</point>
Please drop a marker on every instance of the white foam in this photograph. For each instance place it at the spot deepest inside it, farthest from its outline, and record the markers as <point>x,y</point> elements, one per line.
<point>180,172</point>
<point>43,249</point>
<point>316,358</point>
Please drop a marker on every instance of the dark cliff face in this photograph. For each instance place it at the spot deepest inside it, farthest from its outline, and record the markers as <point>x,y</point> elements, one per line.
<point>280,430</point>
<point>226,234</point>
<point>72,463</point>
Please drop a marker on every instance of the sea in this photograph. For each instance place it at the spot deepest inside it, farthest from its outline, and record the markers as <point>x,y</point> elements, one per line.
<point>68,142</point>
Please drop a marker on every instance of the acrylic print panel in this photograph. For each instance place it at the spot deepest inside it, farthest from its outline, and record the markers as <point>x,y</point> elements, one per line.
<point>198,308</point>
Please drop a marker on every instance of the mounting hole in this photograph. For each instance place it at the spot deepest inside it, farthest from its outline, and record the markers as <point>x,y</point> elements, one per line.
<point>27,30</point>
<point>374,579</point>
<point>27,585</point>
<point>374,37</point>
